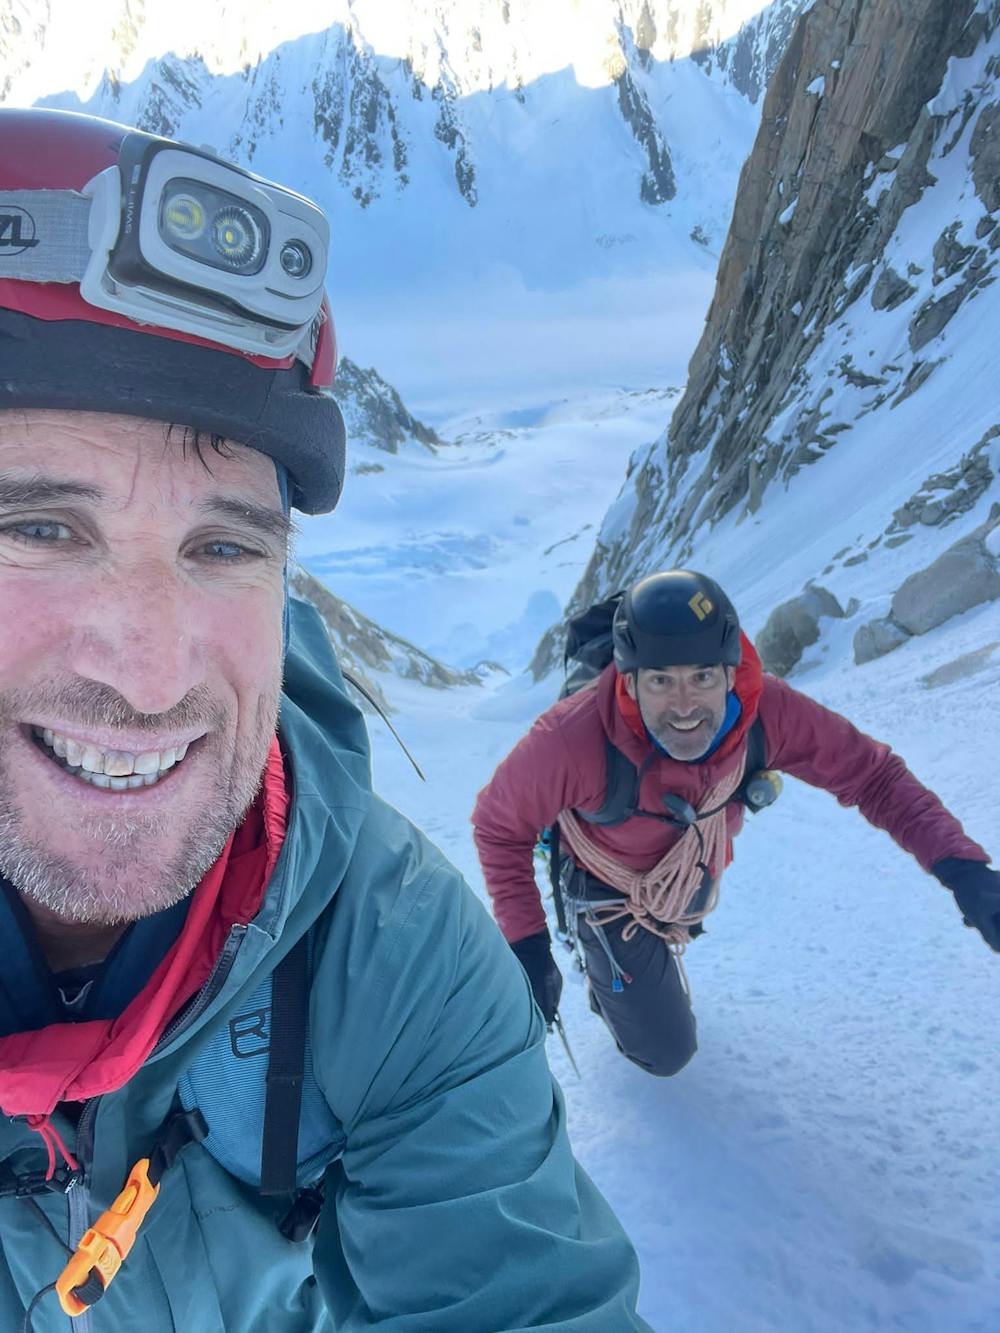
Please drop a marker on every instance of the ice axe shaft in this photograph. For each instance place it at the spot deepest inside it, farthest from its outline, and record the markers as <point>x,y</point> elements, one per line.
<point>557,1026</point>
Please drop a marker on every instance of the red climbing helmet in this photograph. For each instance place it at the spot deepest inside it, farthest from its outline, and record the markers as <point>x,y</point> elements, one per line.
<point>144,276</point>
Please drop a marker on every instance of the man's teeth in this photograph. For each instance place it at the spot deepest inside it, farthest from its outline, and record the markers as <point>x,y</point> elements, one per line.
<point>117,770</point>
<point>685,726</point>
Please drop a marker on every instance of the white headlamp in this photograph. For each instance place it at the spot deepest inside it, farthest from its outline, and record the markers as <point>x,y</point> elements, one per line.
<point>177,238</point>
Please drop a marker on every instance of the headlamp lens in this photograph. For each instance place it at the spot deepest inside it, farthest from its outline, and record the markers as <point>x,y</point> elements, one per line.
<point>296,258</point>
<point>238,239</point>
<point>183,216</point>
<point>213,226</point>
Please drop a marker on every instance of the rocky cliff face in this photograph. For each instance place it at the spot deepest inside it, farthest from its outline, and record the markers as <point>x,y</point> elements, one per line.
<point>855,279</point>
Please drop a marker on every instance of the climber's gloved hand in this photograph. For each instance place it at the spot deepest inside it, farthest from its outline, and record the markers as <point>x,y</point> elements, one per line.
<point>534,953</point>
<point>977,891</point>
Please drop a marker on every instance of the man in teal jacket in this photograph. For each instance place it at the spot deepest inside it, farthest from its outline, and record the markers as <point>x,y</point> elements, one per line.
<point>264,1061</point>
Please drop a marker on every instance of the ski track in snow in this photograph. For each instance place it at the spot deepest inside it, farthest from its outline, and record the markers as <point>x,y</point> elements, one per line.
<point>826,1162</point>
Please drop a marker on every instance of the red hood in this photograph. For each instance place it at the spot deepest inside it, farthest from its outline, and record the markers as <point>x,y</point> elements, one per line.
<point>748,687</point>
<point>74,1061</point>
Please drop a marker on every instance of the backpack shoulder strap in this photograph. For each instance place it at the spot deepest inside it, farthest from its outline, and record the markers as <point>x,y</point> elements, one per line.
<point>621,790</point>
<point>756,748</point>
<point>285,1071</point>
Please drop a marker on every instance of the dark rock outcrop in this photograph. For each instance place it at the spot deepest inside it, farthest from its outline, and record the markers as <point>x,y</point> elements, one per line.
<point>375,413</point>
<point>818,152</point>
<point>966,575</point>
<point>793,627</point>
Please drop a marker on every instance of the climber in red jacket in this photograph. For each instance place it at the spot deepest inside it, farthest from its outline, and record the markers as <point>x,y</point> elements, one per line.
<point>672,724</point>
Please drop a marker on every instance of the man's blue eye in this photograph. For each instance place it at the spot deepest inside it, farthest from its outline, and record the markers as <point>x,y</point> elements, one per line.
<point>41,530</point>
<point>226,550</point>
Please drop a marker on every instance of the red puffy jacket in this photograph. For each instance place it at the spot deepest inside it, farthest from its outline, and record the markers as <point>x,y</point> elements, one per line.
<point>560,765</point>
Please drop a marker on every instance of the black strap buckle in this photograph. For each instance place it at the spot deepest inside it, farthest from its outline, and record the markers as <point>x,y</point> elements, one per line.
<point>301,1220</point>
<point>181,1129</point>
<point>29,1183</point>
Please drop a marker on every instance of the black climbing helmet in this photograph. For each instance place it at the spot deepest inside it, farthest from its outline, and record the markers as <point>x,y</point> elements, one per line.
<point>676,618</point>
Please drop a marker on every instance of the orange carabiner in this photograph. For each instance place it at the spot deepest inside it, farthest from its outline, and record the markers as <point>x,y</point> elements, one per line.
<point>106,1244</point>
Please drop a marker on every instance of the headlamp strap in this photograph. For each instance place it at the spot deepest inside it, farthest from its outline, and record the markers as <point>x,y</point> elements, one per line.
<point>44,235</point>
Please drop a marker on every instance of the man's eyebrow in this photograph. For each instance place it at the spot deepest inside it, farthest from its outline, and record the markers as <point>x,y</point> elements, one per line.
<point>264,519</point>
<point>30,492</point>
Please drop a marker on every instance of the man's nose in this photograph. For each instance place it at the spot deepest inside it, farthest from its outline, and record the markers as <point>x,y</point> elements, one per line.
<point>683,699</point>
<point>140,638</point>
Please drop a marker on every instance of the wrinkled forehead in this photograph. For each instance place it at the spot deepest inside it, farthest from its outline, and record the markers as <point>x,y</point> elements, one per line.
<point>125,457</point>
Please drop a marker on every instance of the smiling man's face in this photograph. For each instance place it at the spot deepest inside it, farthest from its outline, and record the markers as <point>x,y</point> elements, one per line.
<point>141,598</point>
<point>682,706</point>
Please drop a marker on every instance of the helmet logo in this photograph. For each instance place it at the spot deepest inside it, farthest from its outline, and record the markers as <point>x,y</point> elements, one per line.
<point>17,231</point>
<point>701,606</point>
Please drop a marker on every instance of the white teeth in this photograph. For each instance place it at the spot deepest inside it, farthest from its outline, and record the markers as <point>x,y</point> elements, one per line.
<point>118,764</point>
<point>92,759</point>
<point>115,770</point>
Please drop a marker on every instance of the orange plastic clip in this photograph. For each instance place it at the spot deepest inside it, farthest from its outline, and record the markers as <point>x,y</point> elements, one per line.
<point>106,1245</point>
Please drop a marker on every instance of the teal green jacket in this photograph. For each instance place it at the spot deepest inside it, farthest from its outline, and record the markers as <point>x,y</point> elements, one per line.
<point>454,1204</point>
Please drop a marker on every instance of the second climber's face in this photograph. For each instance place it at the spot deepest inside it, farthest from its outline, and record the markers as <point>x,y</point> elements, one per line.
<point>683,707</point>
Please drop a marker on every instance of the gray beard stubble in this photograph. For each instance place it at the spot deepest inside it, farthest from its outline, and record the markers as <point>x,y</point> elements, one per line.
<point>112,897</point>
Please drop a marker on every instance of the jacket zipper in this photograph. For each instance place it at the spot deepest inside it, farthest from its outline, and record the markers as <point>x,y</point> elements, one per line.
<point>208,992</point>
<point>78,1195</point>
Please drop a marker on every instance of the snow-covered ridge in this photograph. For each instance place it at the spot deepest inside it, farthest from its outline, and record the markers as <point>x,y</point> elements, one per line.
<point>372,82</point>
<point>475,156</point>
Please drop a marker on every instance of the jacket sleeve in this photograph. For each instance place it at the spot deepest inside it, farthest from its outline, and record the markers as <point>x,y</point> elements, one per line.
<point>822,748</point>
<point>457,1204</point>
<point>524,796</point>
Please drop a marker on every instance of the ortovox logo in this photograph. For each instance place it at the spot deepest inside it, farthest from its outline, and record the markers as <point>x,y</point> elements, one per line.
<point>250,1034</point>
<point>17,232</point>
<point>701,606</point>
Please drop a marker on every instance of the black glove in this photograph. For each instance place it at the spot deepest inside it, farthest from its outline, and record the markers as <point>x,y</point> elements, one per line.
<point>977,891</point>
<point>534,953</point>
